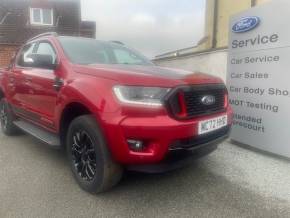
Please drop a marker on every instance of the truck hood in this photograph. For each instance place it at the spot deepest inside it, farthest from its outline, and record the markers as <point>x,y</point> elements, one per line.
<point>146,75</point>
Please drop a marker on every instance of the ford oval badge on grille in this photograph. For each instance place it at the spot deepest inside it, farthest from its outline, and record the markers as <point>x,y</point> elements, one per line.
<point>246,24</point>
<point>208,100</point>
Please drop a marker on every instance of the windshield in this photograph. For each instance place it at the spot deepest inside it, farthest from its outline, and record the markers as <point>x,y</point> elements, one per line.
<point>89,51</point>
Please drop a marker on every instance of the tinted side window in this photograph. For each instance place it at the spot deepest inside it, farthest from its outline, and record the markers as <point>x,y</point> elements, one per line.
<point>46,49</point>
<point>23,57</point>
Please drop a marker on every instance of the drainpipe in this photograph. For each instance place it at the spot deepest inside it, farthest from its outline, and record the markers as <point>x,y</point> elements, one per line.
<point>211,20</point>
<point>253,3</point>
<point>215,24</point>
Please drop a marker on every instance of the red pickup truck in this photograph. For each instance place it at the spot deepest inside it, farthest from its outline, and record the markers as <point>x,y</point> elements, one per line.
<point>111,108</point>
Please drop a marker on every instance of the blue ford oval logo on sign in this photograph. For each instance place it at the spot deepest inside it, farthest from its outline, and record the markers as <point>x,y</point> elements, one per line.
<point>246,24</point>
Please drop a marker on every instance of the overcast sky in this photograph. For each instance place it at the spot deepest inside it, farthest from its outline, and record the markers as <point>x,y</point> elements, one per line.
<point>151,26</point>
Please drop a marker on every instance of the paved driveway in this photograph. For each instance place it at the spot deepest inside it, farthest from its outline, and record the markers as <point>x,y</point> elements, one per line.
<point>35,181</point>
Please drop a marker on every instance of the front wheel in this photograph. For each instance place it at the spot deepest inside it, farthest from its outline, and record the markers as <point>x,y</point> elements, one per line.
<point>7,118</point>
<point>90,160</point>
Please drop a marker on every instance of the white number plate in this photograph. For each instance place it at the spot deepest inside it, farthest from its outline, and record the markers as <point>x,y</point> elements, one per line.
<point>207,126</point>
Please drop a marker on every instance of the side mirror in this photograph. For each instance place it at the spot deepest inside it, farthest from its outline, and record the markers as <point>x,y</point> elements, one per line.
<point>41,61</point>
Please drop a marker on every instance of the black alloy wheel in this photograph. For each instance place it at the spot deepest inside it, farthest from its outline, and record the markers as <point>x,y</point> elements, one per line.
<point>84,155</point>
<point>89,156</point>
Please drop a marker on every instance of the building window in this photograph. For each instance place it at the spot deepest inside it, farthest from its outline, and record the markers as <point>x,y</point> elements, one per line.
<point>40,16</point>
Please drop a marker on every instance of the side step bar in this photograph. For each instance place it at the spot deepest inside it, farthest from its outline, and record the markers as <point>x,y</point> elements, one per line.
<point>39,133</point>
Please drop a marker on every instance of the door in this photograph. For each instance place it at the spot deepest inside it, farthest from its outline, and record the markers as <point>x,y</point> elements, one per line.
<point>18,87</point>
<point>43,96</point>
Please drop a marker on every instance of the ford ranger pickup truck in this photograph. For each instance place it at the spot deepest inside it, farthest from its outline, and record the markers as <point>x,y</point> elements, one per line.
<point>110,108</point>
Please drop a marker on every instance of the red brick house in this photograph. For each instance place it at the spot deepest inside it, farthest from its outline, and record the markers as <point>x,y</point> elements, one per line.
<point>22,19</point>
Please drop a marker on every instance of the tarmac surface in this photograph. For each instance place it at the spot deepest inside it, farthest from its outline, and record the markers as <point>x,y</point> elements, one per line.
<point>35,181</point>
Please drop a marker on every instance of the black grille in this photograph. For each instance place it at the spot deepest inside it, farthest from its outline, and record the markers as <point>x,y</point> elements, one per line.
<point>193,100</point>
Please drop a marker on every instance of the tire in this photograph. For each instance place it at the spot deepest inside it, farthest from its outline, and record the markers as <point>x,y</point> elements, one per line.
<point>7,118</point>
<point>91,163</point>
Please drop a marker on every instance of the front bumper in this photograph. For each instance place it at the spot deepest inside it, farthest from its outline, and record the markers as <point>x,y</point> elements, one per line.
<point>159,133</point>
<point>176,159</point>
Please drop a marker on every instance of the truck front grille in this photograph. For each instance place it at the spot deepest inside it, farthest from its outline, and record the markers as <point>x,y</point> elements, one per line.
<point>186,102</point>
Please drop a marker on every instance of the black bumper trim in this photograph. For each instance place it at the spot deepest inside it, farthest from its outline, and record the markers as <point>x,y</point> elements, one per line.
<point>179,158</point>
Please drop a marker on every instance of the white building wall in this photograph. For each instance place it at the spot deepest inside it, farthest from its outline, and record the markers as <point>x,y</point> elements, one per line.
<point>214,63</point>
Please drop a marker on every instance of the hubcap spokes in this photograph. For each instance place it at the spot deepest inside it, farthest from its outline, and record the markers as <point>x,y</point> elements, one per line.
<point>3,116</point>
<point>83,154</point>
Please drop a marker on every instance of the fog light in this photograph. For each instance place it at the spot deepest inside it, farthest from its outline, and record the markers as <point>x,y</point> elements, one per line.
<point>135,145</point>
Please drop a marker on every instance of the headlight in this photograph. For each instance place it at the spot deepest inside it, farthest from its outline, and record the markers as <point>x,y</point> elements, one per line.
<point>148,96</point>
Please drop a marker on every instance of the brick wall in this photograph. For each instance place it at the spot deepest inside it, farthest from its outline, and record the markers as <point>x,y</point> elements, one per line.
<point>6,53</point>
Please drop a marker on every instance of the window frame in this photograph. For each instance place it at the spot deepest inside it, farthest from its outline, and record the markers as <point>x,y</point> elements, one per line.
<point>41,23</point>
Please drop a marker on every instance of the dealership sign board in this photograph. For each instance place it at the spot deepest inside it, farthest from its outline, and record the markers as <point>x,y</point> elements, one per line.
<point>258,77</point>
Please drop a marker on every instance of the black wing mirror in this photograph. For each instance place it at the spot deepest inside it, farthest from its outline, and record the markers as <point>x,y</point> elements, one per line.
<point>44,61</point>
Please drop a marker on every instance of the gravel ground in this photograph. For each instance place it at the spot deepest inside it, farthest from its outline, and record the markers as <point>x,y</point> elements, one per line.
<point>35,181</point>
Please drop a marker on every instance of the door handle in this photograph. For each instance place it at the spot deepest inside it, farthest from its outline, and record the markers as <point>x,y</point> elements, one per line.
<point>58,83</point>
